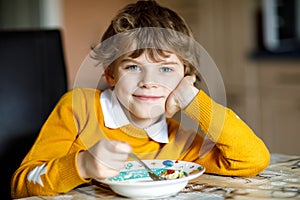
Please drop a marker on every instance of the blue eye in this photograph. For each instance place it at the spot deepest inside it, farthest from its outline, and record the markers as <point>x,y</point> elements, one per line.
<point>165,69</point>
<point>134,68</point>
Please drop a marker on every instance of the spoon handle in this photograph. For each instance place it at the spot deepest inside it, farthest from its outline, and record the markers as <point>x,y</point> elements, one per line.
<point>150,172</point>
<point>132,155</point>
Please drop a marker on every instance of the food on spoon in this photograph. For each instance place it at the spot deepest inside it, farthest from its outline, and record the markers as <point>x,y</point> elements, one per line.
<point>173,174</point>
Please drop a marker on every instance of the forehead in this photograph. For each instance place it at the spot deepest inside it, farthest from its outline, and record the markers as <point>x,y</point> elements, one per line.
<point>151,55</point>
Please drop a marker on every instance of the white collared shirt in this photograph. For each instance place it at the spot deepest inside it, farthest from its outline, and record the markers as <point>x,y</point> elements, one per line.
<point>114,117</point>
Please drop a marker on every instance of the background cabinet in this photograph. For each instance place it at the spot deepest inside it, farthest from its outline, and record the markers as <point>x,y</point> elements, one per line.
<point>280,105</point>
<point>265,92</point>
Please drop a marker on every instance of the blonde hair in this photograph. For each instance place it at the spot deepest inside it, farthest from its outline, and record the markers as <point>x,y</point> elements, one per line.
<point>146,26</point>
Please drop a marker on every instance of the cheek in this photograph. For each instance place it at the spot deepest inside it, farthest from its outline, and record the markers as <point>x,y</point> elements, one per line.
<point>124,87</point>
<point>124,84</point>
<point>126,79</point>
<point>123,80</point>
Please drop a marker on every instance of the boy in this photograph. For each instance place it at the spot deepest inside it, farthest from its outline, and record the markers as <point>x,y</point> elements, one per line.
<point>90,132</point>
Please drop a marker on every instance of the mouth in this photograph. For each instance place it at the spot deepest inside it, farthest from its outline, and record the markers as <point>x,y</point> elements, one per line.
<point>147,97</point>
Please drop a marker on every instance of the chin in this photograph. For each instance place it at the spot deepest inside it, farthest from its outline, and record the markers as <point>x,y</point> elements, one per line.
<point>146,117</point>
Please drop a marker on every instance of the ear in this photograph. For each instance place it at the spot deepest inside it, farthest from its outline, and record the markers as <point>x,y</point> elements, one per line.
<point>109,78</point>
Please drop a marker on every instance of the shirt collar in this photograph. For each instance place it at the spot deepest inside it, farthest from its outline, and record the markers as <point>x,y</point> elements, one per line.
<point>114,117</point>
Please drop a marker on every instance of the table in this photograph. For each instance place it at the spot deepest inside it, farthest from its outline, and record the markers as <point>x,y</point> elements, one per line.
<point>281,180</point>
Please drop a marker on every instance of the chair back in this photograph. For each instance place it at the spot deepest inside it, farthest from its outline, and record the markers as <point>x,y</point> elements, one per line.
<point>32,79</point>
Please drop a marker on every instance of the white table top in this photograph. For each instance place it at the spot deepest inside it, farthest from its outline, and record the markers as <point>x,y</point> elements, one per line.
<point>281,180</point>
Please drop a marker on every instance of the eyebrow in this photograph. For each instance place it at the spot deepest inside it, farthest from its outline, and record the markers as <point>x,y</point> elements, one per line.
<point>129,60</point>
<point>170,63</point>
<point>134,61</point>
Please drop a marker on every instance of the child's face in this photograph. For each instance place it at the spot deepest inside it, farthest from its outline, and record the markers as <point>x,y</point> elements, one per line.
<point>143,85</point>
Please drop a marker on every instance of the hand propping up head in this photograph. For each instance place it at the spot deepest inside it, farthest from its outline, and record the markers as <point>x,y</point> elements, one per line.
<point>181,96</point>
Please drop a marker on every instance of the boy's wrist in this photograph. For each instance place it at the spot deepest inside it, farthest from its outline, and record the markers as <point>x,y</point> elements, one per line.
<point>188,96</point>
<point>81,165</point>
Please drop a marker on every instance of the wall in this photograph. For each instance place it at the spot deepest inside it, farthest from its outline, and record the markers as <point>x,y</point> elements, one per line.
<point>84,24</point>
<point>256,89</point>
<point>263,92</point>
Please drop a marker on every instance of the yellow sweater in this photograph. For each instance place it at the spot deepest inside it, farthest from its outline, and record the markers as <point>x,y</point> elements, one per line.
<point>76,123</point>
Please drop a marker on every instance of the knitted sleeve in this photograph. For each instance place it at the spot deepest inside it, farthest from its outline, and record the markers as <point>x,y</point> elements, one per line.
<point>51,165</point>
<point>236,150</point>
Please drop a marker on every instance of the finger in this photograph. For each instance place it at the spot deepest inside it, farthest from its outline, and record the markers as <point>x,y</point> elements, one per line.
<point>115,165</point>
<point>123,147</point>
<point>117,146</point>
<point>106,172</point>
<point>111,173</point>
<point>111,150</point>
<point>171,107</point>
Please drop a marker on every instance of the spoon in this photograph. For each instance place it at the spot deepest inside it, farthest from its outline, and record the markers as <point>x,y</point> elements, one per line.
<point>152,175</point>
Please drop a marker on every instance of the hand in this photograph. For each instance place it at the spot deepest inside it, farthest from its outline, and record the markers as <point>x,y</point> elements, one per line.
<point>181,96</point>
<point>105,159</point>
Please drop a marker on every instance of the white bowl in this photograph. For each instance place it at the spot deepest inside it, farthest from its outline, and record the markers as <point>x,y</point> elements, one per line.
<point>134,181</point>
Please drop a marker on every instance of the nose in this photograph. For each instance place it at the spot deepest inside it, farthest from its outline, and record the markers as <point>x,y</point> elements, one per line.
<point>147,80</point>
<point>147,84</point>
